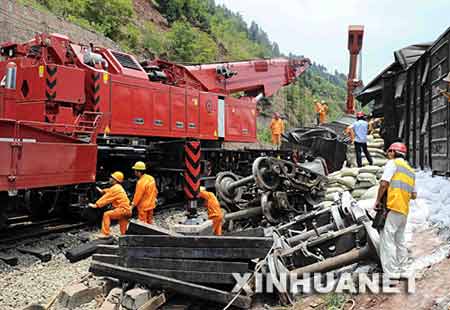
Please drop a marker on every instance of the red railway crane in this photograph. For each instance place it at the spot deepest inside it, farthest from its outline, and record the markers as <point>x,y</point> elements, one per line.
<point>355,41</point>
<point>52,86</point>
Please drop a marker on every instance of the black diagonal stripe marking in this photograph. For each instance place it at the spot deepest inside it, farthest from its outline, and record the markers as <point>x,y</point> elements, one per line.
<point>193,163</point>
<point>52,70</point>
<point>97,100</point>
<point>50,96</point>
<point>191,176</point>
<point>191,188</point>
<point>50,84</point>
<point>188,185</point>
<point>95,77</point>
<point>191,191</point>
<point>194,150</point>
<point>96,88</point>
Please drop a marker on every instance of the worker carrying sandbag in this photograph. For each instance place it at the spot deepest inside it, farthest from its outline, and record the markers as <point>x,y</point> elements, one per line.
<point>214,211</point>
<point>323,112</point>
<point>145,194</point>
<point>399,181</point>
<point>277,128</point>
<point>117,197</point>
<point>360,130</point>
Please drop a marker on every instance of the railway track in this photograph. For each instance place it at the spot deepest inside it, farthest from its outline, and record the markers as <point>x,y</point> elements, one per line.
<point>28,230</point>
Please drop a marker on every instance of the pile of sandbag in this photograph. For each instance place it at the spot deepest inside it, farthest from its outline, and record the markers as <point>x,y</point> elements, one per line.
<point>375,145</point>
<point>362,182</point>
<point>358,181</point>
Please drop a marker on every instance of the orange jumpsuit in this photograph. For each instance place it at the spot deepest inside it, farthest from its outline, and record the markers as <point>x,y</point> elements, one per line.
<point>318,108</point>
<point>323,114</point>
<point>214,211</point>
<point>116,196</point>
<point>145,198</point>
<point>277,128</point>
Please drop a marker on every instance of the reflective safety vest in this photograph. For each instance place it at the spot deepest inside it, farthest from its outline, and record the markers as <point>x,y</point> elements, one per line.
<point>401,187</point>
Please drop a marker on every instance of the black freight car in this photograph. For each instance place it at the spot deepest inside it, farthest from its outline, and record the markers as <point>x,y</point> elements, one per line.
<point>408,95</point>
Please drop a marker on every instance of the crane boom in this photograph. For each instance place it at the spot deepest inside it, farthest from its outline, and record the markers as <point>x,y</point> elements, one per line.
<point>355,40</point>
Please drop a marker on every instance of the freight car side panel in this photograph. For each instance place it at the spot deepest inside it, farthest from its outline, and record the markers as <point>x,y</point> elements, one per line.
<point>439,107</point>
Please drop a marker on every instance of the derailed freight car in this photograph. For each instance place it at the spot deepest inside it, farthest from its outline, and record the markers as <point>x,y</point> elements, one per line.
<point>408,95</point>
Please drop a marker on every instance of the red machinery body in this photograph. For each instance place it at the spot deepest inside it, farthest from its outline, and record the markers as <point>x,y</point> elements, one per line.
<point>60,84</point>
<point>355,40</point>
<point>55,84</point>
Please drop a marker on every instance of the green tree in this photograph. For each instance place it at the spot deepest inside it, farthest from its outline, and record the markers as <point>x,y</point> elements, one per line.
<point>187,44</point>
<point>110,16</point>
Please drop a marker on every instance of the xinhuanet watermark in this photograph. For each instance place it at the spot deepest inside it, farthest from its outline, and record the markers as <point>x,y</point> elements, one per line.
<point>323,283</point>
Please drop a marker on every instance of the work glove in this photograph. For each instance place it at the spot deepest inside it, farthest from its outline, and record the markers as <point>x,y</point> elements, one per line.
<point>92,205</point>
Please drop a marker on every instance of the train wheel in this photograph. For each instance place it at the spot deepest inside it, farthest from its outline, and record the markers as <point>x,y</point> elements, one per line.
<point>39,203</point>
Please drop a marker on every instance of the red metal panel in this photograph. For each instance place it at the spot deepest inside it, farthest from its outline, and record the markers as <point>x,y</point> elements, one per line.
<point>177,110</point>
<point>161,108</point>
<point>33,158</point>
<point>121,107</point>
<point>208,116</point>
<point>142,110</point>
<point>32,111</point>
<point>193,112</point>
<point>37,83</point>
<point>240,120</point>
<point>232,119</point>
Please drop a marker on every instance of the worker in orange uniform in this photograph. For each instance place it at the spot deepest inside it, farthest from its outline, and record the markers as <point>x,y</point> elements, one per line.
<point>214,211</point>
<point>323,113</point>
<point>117,197</point>
<point>317,108</point>
<point>277,128</point>
<point>145,193</point>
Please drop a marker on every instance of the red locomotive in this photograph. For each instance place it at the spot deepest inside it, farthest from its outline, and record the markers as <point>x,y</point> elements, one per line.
<point>56,96</point>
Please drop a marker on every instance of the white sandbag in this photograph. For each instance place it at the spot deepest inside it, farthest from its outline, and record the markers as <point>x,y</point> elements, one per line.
<point>375,145</point>
<point>331,197</point>
<point>380,162</point>
<point>367,177</point>
<point>349,172</point>
<point>377,155</point>
<point>334,189</point>
<point>364,184</point>
<point>348,182</point>
<point>376,135</point>
<point>370,169</point>
<point>335,174</point>
<point>379,140</point>
<point>371,192</point>
<point>357,193</point>
<point>378,151</point>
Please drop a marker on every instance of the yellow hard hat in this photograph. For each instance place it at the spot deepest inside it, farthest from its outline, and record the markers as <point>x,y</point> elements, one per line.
<point>118,176</point>
<point>202,189</point>
<point>139,165</point>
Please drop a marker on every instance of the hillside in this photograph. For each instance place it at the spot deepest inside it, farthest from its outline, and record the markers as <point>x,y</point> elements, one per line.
<point>199,31</point>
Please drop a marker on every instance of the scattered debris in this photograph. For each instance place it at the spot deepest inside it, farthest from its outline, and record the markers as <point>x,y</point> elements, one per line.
<point>87,249</point>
